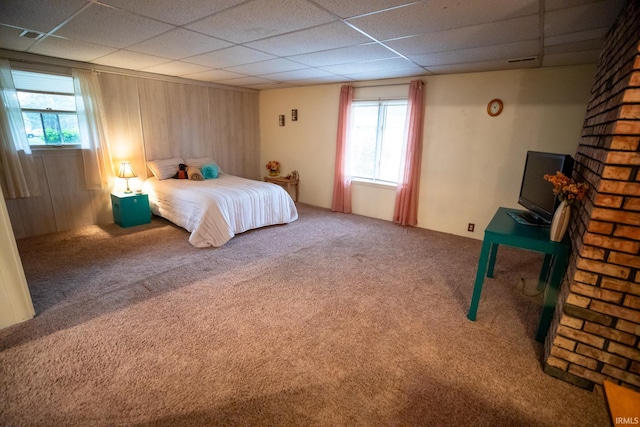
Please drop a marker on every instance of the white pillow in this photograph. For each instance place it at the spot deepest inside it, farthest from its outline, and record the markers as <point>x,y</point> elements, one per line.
<point>165,168</point>
<point>199,161</point>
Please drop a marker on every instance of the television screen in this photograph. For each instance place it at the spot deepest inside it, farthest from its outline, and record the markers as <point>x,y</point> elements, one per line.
<point>536,194</point>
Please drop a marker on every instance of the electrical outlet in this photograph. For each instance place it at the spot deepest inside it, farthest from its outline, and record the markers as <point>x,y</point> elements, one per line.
<point>471,227</point>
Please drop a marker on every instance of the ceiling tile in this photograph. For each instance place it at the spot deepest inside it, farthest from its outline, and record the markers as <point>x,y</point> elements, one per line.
<point>351,8</point>
<point>439,15</point>
<point>229,57</point>
<point>28,14</point>
<point>551,5</point>
<point>321,80</point>
<point>581,18</point>
<point>213,76</point>
<point>485,53</point>
<point>388,74</point>
<point>324,37</point>
<point>361,67</point>
<point>130,60</point>
<point>9,39</point>
<point>70,49</point>
<point>571,58</point>
<point>266,67</point>
<point>258,19</point>
<point>305,74</point>
<point>111,27</point>
<point>517,29</point>
<point>587,45</point>
<point>246,81</point>
<point>474,67</point>
<point>597,34</point>
<point>179,43</point>
<point>176,68</point>
<point>177,12</point>
<point>366,52</point>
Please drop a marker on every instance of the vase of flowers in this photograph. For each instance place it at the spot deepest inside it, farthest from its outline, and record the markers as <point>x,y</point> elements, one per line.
<point>567,191</point>
<point>273,167</point>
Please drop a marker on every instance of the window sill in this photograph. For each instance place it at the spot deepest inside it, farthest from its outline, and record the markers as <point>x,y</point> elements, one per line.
<point>375,184</point>
<point>54,150</point>
<point>54,147</point>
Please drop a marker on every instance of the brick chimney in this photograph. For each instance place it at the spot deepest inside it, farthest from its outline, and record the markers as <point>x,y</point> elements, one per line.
<point>595,334</point>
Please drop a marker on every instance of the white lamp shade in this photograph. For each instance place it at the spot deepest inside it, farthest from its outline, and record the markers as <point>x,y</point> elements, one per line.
<point>126,171</point>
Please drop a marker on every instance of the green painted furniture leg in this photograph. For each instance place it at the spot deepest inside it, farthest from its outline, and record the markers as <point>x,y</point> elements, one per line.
<point>492,259</point>
<point>544,272</point>
<point>477,288</point>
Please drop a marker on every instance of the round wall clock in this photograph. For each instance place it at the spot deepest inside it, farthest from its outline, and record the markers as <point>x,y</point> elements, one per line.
<point>494,107</point>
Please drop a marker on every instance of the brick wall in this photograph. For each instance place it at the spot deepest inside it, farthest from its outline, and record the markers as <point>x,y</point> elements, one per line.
<point>595,334</point>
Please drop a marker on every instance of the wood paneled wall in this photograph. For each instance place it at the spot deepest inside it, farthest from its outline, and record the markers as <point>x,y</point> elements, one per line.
<point>146,119</point>
<point>64,202</point>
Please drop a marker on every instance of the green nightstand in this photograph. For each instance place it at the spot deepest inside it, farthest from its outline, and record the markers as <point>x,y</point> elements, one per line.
<point>130,209</point>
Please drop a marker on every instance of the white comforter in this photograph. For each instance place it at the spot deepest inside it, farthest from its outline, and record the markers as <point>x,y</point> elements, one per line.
<point>215,210</point>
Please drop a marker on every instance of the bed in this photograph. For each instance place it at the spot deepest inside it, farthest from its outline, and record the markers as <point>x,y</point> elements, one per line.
<point>215,210</point>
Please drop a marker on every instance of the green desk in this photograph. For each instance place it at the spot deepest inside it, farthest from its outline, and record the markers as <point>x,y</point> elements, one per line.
<point>504,230</point>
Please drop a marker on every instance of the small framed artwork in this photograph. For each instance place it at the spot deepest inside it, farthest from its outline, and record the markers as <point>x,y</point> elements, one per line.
<point>281,120</point>
<point>294,115</point>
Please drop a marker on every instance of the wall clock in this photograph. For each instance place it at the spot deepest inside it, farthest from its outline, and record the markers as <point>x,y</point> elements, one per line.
<point>494,107</point>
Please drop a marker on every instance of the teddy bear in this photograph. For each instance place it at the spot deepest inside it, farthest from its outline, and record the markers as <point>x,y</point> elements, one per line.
<point>182,172</point>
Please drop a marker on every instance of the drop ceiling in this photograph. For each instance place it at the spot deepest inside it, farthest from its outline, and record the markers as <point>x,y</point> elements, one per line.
<point>264,44</point>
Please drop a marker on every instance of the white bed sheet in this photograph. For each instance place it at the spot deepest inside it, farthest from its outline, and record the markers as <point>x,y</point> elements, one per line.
<point>215,210</point>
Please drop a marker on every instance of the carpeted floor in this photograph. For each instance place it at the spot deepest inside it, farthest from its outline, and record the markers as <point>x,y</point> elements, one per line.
<point>332,320</point>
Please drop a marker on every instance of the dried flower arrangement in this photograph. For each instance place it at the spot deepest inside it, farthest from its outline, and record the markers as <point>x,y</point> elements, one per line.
<point>566,189</point>
<point>273,165</point>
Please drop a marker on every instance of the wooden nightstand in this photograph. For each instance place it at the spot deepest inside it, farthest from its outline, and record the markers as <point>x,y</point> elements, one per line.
<point>284,182</point>
<point>130,209</point>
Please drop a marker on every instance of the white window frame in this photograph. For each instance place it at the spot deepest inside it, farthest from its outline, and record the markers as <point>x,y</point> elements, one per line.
<point>382,104</point>
<point>74,112</point>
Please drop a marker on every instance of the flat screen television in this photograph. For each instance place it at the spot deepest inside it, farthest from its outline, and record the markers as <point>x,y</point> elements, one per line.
<point>536,194</point>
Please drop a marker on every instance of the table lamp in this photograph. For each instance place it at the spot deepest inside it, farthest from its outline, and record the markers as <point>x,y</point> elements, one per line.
<point>126,172</point>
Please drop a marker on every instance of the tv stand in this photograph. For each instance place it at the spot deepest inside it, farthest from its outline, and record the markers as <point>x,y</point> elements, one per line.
<point>527,218</point>
<point>503,231</point>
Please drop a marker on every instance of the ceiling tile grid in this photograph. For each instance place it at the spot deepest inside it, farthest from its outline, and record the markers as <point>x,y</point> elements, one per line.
<point>280,43</point>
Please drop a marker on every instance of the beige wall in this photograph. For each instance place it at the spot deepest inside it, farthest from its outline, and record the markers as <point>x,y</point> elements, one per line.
<point>472,163</point>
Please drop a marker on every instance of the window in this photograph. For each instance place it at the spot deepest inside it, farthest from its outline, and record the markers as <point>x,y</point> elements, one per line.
<point>377,138</point>
<point>48,108</point>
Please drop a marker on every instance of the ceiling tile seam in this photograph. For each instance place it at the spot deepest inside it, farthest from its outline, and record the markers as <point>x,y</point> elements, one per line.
<point>499,21</point>
<point>352,26</point>
<point>255,40</point>
<point>60,25</point>
<point>368,13</point>
<point>98,2</point>
<point>175,27</point>
<point>166,60</point>
<point>577,32</point>
<point>311,68</point>
<point>280,72</point>
<point>477,47</point>
<point>380,43</point>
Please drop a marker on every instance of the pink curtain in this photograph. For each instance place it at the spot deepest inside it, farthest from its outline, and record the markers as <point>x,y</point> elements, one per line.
<point>406,208</point>
<point>342,181</point>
